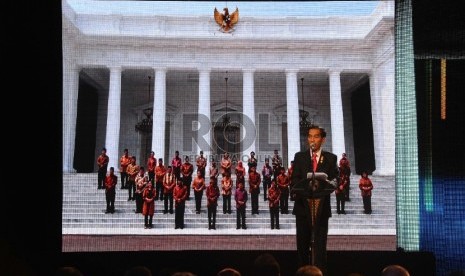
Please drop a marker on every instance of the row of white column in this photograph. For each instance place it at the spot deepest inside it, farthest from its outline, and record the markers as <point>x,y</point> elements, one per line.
<point>71,80</point>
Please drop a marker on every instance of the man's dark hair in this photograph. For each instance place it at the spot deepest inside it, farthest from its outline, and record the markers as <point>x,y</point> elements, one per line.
<point>322,130</point>
<point>266,265</point>
<point>138,271</point>
<point>68,271</point>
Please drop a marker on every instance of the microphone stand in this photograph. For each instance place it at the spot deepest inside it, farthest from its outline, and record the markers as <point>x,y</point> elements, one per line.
<point>312,210</point>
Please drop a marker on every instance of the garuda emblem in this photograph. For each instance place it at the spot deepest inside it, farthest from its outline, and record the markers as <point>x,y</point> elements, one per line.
<point>226,20</point>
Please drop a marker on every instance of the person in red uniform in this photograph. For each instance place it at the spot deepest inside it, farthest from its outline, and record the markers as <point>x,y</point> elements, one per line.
<point>226,164</point>
<point>180,196</point>
<point>132,170</point>
<point>198,185</point>
<point>240,196</point>
<point>169,181</point>
<point>151,164</point>
<point>141,181</point>
<point>274,196</point>
<point>366,186</point>
<point>267,173</point>
<point>187,169</point>
<point>213,171</point>
<point>252,162</point>
<point>124,161</point>
<point>277,163</point>
<point>102,163</point>
<point>289,174</point>
<point>226,192</point>
<point>344,169</point>
<point>159,174</point>
<point>212,192</point>
<point>340,194</point>
<point>240,173</point>
<point>148,209</point>
<point>254,188</point>
<point>110,190</point>
<point>283,184</point>
<point>176,163</point>
<point>201,163</point>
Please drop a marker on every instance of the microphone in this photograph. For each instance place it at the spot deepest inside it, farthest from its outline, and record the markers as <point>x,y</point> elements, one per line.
<point>312,146</point>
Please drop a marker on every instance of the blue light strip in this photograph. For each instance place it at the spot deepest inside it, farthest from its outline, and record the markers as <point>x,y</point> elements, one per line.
<point>428,174</point>
<point>407,172</point>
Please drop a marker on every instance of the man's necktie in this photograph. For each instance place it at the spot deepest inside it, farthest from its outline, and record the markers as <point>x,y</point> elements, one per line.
<point>314,161</point>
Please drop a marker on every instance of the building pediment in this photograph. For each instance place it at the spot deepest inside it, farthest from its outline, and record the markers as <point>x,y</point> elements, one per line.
<point>152,23</point>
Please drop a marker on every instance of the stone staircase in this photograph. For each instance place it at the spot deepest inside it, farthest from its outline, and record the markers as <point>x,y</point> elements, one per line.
<point>84,213</point>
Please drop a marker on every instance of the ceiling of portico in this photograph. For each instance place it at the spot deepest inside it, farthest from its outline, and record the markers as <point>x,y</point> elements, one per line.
<point>137,80</point>
<point>139,77</point>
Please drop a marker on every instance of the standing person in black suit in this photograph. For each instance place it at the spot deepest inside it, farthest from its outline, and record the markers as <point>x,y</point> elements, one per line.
<point>317,160</point>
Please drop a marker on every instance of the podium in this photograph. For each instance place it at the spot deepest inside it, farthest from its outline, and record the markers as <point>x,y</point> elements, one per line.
<point>314,189</point>
<point>316,185</point>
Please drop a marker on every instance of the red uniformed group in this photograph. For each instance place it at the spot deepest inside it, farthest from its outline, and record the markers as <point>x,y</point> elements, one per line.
<point>172,185</point>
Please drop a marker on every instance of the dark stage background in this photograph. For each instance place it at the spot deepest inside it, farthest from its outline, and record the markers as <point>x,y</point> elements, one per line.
<point>31,231</point>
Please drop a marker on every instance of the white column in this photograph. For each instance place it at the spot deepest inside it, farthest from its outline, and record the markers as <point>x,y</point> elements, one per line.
<point>337,116</point>
<point>159,114</point>
<point>376,118</point>
<point>70,100</point>
<point>292,100</point>
<point>389,120</point>
<point>204,109</point>
<point>114,118</point>
<point>383,118</point>
<point>248,109</point>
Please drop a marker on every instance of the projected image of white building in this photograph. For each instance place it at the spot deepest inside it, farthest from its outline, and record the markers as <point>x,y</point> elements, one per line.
<point>165,76</point>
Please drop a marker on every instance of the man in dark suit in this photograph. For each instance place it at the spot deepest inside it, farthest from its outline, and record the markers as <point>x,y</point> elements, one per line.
<point>304,162</point>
